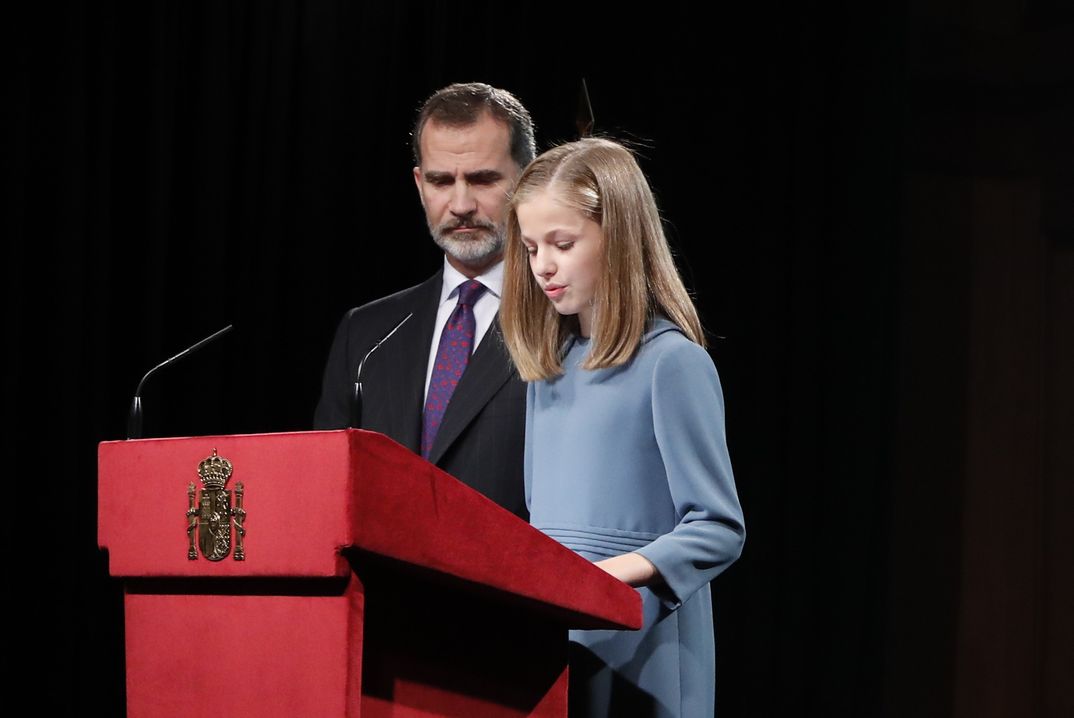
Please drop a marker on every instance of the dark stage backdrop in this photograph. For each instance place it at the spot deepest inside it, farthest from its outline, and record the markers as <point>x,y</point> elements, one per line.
<point>171,168</point>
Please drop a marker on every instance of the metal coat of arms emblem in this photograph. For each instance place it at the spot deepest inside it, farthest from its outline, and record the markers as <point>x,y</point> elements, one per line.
<point>210,514</point>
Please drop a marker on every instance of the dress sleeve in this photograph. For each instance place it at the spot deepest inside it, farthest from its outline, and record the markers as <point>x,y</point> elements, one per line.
<point>688,421</point>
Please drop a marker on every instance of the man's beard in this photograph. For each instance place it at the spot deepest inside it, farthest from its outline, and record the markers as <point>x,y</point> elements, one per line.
<point>475,248</point>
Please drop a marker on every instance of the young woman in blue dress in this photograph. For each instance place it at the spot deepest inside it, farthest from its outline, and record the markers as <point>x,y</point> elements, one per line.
<point>626,457</point>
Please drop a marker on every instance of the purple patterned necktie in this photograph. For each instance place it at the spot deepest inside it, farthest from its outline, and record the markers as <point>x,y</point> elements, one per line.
<point>456,343</point>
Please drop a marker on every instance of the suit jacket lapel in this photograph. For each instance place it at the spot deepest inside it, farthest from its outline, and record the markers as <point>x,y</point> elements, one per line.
<point>488,369</point>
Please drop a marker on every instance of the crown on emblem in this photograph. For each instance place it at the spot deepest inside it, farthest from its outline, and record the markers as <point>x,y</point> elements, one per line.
<point>214,471</point>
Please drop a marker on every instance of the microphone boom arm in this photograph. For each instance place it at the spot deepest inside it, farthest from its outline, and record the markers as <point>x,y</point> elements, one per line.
<point>134,417</point>
<point>356,398</point>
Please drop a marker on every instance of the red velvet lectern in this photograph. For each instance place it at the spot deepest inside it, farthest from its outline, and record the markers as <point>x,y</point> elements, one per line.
<point>370,583</point>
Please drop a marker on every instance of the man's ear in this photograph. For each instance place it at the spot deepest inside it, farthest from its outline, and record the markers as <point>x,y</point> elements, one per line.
<point>417,183</point>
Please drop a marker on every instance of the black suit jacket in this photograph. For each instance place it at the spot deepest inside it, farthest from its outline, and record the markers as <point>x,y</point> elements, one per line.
<point>481,437</point>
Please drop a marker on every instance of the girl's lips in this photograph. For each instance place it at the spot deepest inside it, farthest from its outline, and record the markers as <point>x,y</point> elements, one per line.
<point>554,291</point>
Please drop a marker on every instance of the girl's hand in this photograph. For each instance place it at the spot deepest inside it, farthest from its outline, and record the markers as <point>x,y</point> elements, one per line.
<point>632,569</point>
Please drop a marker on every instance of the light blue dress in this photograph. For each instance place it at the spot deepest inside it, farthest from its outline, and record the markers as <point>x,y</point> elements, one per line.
<point>635,459</point>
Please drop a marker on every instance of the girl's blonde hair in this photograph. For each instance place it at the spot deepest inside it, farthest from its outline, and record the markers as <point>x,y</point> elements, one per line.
<point>602,180</point>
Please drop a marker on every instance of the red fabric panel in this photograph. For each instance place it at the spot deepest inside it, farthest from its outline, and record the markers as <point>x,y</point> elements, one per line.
<point>296,515</point>
<point>263,656</point>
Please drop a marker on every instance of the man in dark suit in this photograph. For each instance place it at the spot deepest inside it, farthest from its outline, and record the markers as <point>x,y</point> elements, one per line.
<point>463,411</point>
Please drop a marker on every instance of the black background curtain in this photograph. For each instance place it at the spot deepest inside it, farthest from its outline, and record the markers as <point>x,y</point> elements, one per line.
<point>171,168</point>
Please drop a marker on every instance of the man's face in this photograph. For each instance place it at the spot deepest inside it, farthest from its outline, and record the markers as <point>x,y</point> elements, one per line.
<point>464,179</point>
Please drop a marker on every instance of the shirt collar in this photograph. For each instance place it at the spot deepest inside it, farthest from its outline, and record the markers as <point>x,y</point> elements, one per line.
<point>492,279</point>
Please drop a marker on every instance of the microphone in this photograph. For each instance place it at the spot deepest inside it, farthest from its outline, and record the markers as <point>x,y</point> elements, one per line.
<point>134,418</point>
<point>356,397</point>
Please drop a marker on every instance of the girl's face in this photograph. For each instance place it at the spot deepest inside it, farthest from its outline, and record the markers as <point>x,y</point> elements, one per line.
<point>565,253</point>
